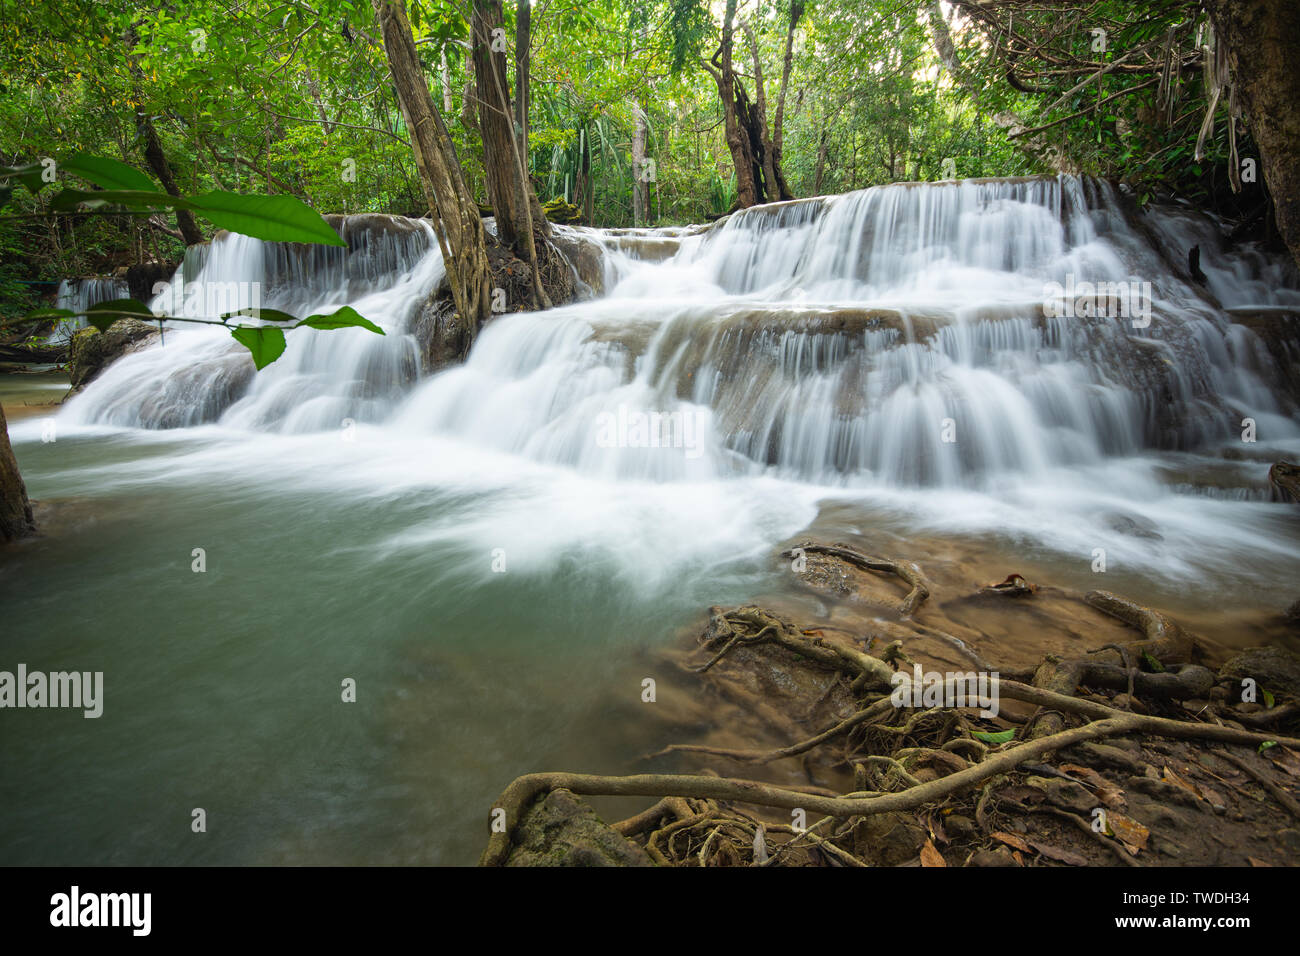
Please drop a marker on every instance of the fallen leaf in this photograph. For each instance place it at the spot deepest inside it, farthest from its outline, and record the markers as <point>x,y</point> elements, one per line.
<point>1213,797</point>
<point>930,856</point>
<point>1255,862</point>
<point>1018,858</point>
<point>1058,854</point>
<point>1011,840</point>
<point>1171,777</point>
<point>1001,737</point>
<point>1285,759</point>
<point>1128,831</point>
<point>1107,792</point>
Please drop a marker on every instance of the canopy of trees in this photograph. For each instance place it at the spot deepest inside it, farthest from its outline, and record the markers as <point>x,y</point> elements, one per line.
<point>659,112</point>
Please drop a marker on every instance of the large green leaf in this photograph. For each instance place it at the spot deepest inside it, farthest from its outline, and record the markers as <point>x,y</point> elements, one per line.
<point>266,315</point>
<point>274,218</point>
<point>1001,737</point>
<point>266,343</point>
<point>345,318</point>
<point>108,173</point>
<point>29,176</point>
<point>104,314</point>
<point>137,198</point>
<point>49,314</point>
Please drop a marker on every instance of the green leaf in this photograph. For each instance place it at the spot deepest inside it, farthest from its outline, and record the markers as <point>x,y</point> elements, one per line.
<point>138,198</point>
<point>49,314</point>
<point>1266,744</point>
<point>1268,698</point>
<point>1152,664</point>
<point>29,176</point>
<point>266,343</point>
<point>108,173</point>
<point>1001,737</point>
<point>273,218</point>
<point>345,318</point>
<point>267,315</point>
<point>103,314</point>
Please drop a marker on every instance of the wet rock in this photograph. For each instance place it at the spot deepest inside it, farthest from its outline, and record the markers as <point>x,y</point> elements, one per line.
<point>444,339</point>
<point>1071,796</point>
<point>1279,330</point>
<point>1161,790</point>
<point>587,258</point>
<point>959,827</point>
<point>1156,816</point>
<point>561,830</point>
<point>1272,668</point>
<point>999,856</point>
<point>1284,478</point>
<point>16,519</point>
<point>93,351</point>
<point>892,839</point>
<point>143,277</point>
<point>1135,526</point>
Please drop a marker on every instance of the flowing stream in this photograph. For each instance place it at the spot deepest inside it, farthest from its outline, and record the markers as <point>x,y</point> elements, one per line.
<point>1023,368</point>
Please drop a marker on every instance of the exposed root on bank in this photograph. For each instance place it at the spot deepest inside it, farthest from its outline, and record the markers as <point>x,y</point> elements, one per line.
<point>920,755</point>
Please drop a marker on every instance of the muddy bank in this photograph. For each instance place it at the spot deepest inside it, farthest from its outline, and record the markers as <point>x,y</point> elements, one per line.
<point>900,727</point>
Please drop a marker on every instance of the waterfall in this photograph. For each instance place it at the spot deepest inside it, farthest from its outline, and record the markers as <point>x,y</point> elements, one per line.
<point>79,295</point>
<point>951,335</point>
<point>324,379</point>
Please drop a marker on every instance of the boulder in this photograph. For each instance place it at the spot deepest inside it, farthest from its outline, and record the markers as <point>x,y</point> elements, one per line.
<point>1272,668</point>
<point>561,830</point>
<point>93,351</point>
<point>15,510</point>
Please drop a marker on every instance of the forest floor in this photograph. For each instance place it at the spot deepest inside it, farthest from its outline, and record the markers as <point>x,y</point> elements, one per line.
<point>1113,735</point>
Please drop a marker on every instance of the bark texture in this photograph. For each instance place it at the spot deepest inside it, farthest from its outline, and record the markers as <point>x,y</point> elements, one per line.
<point>456,217</point>
<point>1263,41</point>
<point>15,510</point>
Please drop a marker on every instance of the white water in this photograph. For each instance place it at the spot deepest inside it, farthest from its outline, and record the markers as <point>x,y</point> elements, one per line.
<point>80,294</point>
<point>888,346</point>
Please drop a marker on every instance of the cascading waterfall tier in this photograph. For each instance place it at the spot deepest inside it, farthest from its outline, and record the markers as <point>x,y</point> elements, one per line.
<point>78,295</point>
<point>324,379</point>
<point>946,334</point>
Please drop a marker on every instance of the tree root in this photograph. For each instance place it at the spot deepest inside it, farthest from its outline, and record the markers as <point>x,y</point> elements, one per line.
<point>904,569</point>
<point>695,823</point>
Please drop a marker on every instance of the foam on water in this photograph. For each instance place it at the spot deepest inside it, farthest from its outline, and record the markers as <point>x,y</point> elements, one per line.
<point>897,344</point>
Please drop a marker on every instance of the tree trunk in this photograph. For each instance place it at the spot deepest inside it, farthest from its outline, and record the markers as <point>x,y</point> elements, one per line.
<point>15,510</point>
<point>456,218</point>
<point>444,76</point>
<point>1263,40</point>
<point>765,148</point>
<point>153,150</point>
<point>495,119</point>
<point>640,188</point>
<point>510,190</point>
<point>523,64</point>
<point>742,154</point>
<point>778,122</point>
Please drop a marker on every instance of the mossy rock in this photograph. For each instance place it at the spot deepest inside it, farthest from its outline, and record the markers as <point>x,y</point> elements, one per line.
<point>92,351</point>
<point>561,830</point>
